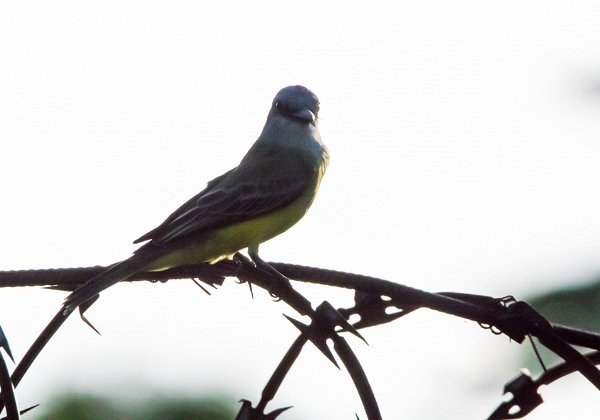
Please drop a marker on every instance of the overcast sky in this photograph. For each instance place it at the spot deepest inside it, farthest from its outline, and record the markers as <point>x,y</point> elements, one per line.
<point>465,156</point>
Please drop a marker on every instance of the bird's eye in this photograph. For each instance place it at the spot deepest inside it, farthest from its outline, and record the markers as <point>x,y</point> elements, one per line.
<point>277,103</point>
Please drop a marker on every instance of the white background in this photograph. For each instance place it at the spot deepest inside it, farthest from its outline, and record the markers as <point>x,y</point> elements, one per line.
<point>465,156</point>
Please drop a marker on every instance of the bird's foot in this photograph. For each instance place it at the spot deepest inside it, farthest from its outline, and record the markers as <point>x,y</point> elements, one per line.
<point>280,282</point>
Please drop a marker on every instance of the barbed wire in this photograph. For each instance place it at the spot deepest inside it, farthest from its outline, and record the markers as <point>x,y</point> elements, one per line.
<point>377,301</point>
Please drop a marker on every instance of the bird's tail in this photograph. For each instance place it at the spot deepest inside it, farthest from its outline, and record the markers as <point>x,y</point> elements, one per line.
<point>112,275</point>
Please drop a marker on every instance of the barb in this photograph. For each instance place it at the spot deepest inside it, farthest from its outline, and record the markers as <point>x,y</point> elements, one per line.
<point>525,398</point>
<point>524,390</point>
<point>532,322</point>
<point>248,413</point>
<point>538,355</point>
<point>325,320</point>
<point>197,283</point>
<point>4,344</point>
<point>372,310</point>
<point>22,411</point>
<point>6,386</point>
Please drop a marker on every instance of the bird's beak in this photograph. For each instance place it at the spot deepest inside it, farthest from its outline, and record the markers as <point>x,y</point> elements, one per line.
<point>305,115</point>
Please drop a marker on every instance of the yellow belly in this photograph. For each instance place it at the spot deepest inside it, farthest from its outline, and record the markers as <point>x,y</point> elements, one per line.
<point>225,241</point>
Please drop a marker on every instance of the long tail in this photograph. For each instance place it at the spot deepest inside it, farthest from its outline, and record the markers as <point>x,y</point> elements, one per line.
<point>112,275</point>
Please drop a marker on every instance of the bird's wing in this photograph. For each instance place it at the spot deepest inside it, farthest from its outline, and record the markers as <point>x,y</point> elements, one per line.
<point>184,208</point>
<point>247,191</point>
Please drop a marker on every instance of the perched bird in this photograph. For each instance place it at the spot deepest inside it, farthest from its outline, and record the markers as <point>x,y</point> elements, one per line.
<point>266,194</point>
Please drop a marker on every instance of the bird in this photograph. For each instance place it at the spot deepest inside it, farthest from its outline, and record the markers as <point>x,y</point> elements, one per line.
<point>269,191</point>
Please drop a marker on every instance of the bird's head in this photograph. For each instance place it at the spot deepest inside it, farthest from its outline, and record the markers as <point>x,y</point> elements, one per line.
<point>297,103</point>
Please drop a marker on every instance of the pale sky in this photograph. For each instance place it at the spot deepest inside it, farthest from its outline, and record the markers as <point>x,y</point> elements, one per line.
<point>465,156</point>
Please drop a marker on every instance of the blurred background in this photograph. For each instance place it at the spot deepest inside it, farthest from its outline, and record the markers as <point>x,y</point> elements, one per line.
<point>465,151</point>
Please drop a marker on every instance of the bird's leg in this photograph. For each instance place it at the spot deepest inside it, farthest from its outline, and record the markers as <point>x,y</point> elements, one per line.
<point>265,266</point>
<point>242,260</point>
<point>279,280</point>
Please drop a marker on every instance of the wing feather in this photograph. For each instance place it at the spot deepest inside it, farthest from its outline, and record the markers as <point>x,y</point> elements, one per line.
<point>249,190</point>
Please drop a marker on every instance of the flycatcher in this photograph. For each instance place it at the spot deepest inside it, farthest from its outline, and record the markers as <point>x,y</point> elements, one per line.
<point>266,194</point>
